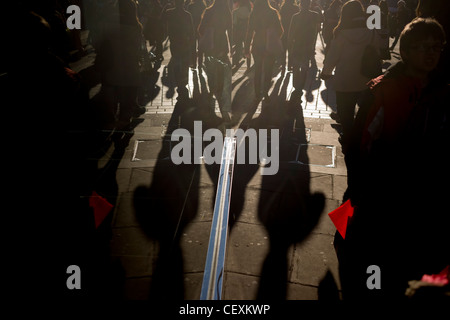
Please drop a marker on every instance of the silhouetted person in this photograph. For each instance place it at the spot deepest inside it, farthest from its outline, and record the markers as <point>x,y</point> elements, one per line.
<point>287,10</point>
<point>196,9</point>
<point>240,23</point>
<point>263,19</point>
<point>153,29</point>
<point>316,7</point>
<point>345,55</point>
<point>216,29</point>
<point>400,221</point>
<point>180,30</point>
<point>384,31</point>
<point>217,17</point>
<point>331,19</point>
<point>301,40</point>
<point>401,18</point>
<point>118,60</point>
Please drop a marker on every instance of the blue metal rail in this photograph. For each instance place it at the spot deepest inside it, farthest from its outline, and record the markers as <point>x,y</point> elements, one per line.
<point>215,259</point>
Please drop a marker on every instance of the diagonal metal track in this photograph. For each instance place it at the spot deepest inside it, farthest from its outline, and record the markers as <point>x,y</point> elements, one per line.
<point>215,259</point>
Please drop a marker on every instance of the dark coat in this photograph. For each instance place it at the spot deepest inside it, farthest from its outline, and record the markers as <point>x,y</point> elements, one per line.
<point>220,21</point>
<point>258,25</point>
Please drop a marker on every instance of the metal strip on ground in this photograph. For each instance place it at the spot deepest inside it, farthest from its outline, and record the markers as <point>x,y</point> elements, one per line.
<point>215,259</point>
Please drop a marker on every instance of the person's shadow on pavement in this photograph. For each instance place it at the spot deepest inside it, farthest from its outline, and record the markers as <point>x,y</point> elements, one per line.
<point>287,208</point>
<point>172,200</point>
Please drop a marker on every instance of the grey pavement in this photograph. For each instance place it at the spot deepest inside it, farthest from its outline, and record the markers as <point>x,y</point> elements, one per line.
<point>309,258</point>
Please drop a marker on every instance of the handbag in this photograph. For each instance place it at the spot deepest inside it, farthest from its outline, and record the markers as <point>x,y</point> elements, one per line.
<point>371,61</point>
<point>274,46</point>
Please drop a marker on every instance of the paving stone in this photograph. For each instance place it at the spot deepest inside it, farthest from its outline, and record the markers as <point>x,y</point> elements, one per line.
<point>124,215</point>
<point>149,149</point>
<point>325,225</point>
<point>205,211</point>
<point>317,155</point>
<point>193,285</point>
<point>136,252</point>
<point>322,183</point>
<point>140,177</point>
<point>339,186</point>
<point>248,246</point>
<point>249,206</point>
<point>297,291</point>
<point>313,258</point>
<point>194,245</point>
<point>240,287</point>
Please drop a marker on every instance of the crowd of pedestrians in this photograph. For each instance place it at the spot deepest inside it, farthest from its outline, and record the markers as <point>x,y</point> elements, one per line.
<point>394,124</point>
<point>271,32</point>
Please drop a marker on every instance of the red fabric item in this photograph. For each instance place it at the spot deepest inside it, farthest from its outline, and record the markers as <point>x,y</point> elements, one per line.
<point>101,207</point>
<point>440,279</point>
<point>397,97</point>
<point>340,216</point>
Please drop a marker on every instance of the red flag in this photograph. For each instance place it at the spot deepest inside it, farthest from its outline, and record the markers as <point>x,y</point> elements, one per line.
<point>340,217</point>
<point>101,207</point>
